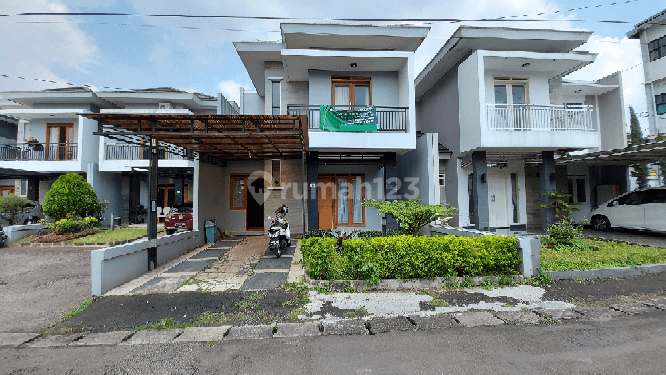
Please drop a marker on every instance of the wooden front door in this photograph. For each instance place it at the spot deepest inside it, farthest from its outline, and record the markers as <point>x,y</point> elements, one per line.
<point>255,204</point>
<point>325,191</point>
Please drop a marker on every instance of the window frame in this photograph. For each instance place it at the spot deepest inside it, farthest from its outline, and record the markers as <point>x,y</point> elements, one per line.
<point>237,177</point>
<point>279,99</point>
<point>660,100</point>
<point>509,82</point>
<point>350,198</point>
<point>352,81</point>
<point>277,178</point>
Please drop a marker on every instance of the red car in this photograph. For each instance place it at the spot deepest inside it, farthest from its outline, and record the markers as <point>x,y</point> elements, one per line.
<point>180,217</point>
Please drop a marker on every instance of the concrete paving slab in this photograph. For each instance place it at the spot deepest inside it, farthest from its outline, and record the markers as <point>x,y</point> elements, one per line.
<point>557,314</point>
<point>659,303</point>
<point>383,325</point>
<point>190,266</point>
<point>632,308</point>
<point>150,336</point>
<point>54,340</point>
<point>298,329</point>
<point>274,263</point>
<point>107,338</point>
<point>345,327</point>
<point>161,285</point>
<point>519,317</point>
<point>287,251</point>
<point>211,253</point>
<point>475,319</point>
<point>598,313</point>
<point>426,323</point>
<point>250,332</point>
<point>262,281</point>
<point>16,339</point>
<point>193,334</point>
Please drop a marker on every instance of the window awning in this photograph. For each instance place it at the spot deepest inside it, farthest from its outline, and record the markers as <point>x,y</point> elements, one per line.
<point>645,153</point>
<point>221,137</point>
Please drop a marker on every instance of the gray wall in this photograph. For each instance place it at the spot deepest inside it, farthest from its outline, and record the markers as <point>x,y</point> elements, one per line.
<point>384,87</point>
<point>252,103</point>
<point>611,115</point>
<point>107,186</point>
<point>416,171</point>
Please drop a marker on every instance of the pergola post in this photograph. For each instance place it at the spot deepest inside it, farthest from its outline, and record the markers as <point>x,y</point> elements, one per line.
<point>152,211</point>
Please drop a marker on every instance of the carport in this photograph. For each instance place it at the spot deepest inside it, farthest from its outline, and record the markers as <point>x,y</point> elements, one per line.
<point>211,139</point>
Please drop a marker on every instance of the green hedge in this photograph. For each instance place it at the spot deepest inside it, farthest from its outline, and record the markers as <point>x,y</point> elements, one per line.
<point>409,257</point>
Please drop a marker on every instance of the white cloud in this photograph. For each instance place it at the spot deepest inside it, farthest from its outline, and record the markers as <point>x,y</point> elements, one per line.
<point>34,50</point>
<point>617,54</point>
<point>231,89</point>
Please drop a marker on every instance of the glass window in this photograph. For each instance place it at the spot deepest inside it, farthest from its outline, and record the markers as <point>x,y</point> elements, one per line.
<point>500,94</point>
<point>343,202</point>
<point>275,170</point>
<point>632,199</point>
<point>518,94</point>
<point>580,191</point>
<point>656,196</point>
<point>657,49</point>
<point>357,200</point>
<point>362,95</point>
<point>660,101</point>
<point>275,97</point>
<point>238,192</point>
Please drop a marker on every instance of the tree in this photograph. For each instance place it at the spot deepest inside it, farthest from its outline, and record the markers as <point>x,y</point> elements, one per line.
<point>639,170</point>
<point>411,215</point>
<point>72,193</point>
<point>11,204</point>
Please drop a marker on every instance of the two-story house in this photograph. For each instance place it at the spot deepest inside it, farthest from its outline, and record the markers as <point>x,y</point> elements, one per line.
<point>54,137</point>
<point>499,100</point>
<point>339,76</point>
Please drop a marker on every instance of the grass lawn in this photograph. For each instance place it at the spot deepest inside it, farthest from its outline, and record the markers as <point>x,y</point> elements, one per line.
<point>609,254</point>
<point>121,234</point>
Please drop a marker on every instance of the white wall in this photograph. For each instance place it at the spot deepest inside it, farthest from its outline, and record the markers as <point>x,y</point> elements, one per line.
<point>252,103</point>
<point>417,172</point>
<point>611,115</point>
<point>471,91</point>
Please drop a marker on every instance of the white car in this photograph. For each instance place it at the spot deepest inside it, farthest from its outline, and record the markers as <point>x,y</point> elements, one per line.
<point>639,209</point>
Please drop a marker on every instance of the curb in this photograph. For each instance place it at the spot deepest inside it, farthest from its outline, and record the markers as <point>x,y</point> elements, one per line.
<point>606,272</point>
<point>405,284</point>
<point>379,325</point>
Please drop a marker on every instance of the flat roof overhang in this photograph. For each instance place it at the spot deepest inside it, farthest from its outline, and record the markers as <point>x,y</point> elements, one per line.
<point>297,63</point>
<point>254,55</point>
<point>30,98</point>
<point>646,153</point>
<point>29,114</point>
<point>218,137</point>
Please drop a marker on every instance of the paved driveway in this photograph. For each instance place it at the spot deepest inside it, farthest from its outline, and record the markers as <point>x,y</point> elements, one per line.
<point>630,235</point>
<point>39,286</point>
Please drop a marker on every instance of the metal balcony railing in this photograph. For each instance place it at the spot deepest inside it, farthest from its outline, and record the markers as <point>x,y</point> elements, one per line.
<point>133,152</point>
<point>388,118</point>
<point>40,151</point>
<point>540,117</point>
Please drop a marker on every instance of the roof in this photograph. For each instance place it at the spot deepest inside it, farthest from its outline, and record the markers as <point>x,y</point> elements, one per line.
<point>652,20</point>
<point>470,38</point>
<point>223,137</point>
<point>645,153</point>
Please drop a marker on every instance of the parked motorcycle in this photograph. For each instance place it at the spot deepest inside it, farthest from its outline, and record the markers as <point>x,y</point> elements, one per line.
<point>278,233</point>
<point>3,236</point>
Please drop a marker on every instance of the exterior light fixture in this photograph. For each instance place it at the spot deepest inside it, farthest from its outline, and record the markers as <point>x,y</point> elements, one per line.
<point>353,65</point>
<point>525,65</point>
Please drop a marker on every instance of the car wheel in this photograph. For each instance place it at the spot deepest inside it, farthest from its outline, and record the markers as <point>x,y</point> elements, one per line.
<point>601,223</point>
<point>170,231</point>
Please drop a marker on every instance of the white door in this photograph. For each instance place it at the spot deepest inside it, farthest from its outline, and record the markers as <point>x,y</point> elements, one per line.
<point>630,211</point>
<point>498,198</point>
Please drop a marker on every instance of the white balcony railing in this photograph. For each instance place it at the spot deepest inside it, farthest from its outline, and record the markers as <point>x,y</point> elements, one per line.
<point>540,117</point>
<point>134,152</point>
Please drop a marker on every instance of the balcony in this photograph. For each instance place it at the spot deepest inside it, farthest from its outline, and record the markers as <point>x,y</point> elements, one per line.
<point>39,151</point>
<point>392,119</point>
<point>134,152</point>
<point>526,117</point>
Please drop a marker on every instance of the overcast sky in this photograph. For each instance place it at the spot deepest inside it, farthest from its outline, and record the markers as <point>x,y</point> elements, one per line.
<point>133,52</point>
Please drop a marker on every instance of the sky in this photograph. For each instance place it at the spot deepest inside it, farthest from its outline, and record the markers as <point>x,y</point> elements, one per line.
<point>197,54</point>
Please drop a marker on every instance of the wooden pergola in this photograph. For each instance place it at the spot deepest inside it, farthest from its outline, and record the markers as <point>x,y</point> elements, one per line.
<point>217,137</point>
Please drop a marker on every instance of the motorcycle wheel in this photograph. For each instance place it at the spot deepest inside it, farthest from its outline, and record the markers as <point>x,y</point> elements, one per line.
<point>278,253</point>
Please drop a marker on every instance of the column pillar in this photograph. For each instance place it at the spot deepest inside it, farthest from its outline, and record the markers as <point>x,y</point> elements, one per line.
<point>152,210</point>
<point>312,191</point>
<point>480,190</point>
<point>548,182</point>
<point>179,186</point>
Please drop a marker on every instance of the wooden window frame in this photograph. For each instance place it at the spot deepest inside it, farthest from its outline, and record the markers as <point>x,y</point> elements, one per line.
<point>352,81</point>
<point>350,198</point>
<point>237,177</point>
<point>55,125</point>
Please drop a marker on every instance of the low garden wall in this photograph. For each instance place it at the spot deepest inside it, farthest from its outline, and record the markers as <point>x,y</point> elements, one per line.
<point>16,232</point>
<point>114,266</point>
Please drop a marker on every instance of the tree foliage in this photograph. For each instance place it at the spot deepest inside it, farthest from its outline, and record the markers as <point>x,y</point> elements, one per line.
<point>564,230</point>
<point>639,170</point>
<point>71,193</point>
<point>411,215</point>
<point>11,205</point>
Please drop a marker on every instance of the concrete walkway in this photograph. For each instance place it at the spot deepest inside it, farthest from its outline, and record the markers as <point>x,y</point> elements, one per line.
<point>631,236</point>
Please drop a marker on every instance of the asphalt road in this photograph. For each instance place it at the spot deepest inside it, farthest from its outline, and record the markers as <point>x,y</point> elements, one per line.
<point>38,287</point>
<point>622,345</point>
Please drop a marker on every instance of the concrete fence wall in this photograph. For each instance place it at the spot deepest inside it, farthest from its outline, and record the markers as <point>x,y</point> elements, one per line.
<point>528,247</point>
<point>16,232</point>
<point>114,266</point>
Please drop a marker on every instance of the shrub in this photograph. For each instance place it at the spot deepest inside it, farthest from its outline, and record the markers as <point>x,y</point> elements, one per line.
<point>11,204</point>
<point>564,231</point>
<point>72,193</point>
<point>411,215</point>
<point>406,257</point>
<point>72,224</point>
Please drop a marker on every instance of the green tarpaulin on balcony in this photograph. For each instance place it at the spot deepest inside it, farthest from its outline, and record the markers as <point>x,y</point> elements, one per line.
<point>357,120</point>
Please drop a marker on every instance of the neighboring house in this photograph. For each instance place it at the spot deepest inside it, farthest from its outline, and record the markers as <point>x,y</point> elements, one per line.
<point>54,138</point>
<point>349,68</point>
<point>652,36</point>
<point>8,129</point>
<point>499,101</point>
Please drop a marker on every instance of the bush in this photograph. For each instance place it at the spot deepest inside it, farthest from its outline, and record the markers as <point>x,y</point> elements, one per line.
<point>11,204</point>
<point>72,224</point>
<point>330,233</point>
<point>407,257</point>
<point>562,232</point>
<point>411,215</point>
<point>72,193</point>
